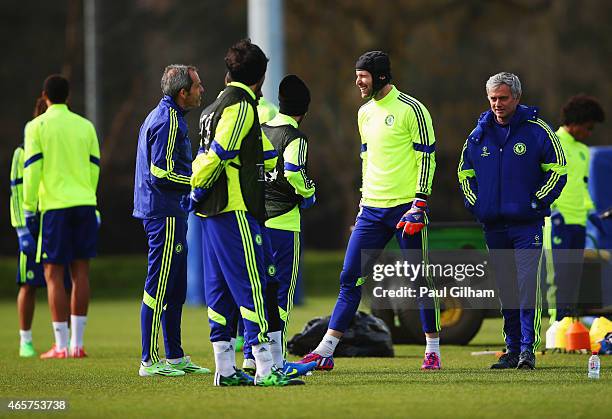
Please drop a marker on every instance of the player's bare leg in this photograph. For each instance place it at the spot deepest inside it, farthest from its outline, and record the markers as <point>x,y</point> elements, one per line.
<point>58,305</point>
<point>26,300</point>
<point>79,304</point>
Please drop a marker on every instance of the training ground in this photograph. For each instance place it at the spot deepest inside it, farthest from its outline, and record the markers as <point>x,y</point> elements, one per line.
<point>107,383</point>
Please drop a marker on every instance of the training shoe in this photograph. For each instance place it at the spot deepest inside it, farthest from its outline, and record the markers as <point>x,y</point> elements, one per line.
<point>78,352</point>
<point>159,368</point>
<point>238,378</point>
<point>239,343</point>
<point>506,361</point>
<point>187,366</point>
<point>249,366</point>
<point>294,369</point>
<point>431,361</point>
<point>324,363</point>
<point>26,350</point>
<point>277,379</point>
<point>526,361</point>
<point>55,353</point>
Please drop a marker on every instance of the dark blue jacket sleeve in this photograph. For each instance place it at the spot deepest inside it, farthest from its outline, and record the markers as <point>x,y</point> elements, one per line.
<point>162,140</point>
<point>467,178</point>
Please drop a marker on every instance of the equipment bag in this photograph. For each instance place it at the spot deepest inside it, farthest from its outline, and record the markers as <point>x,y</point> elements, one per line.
<point>366,336</point>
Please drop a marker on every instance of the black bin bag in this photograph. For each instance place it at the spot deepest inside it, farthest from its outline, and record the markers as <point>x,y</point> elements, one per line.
<point>366,336</point>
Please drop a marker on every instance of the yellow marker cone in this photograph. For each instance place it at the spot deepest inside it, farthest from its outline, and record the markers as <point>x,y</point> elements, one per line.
<point>560,339</point>
<point>600,327</point>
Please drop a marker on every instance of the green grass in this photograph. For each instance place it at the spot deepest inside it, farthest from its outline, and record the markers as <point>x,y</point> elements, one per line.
<point>107,383</point>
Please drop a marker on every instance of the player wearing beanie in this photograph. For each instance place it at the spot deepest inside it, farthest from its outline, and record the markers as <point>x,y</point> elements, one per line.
<point>397,138</point>
<point>289,190</point>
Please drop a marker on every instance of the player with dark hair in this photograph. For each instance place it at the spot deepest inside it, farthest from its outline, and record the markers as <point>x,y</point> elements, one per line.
<point>289,190</point>
<point>570,211</point>
<point>228,195</point>
<point>61,171</point>
<point>30,275</point>
<point>398,163</point>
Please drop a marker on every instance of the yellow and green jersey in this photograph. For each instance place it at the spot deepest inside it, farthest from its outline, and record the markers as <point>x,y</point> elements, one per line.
<point>397,150</point>
<point>16,204</point>
<point>62,161</point>
<point>575,202</point>
<point>230,133</point>
<point>266,111</point>
<point>283,194</point>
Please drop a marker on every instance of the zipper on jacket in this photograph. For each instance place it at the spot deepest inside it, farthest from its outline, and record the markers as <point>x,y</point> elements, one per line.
<point>501,156</point>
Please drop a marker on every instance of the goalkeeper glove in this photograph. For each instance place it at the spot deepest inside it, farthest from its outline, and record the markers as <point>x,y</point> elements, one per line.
<point>556,218</point>
<point>27,244</point>
<point>414,219</point>
<point>308,202</point>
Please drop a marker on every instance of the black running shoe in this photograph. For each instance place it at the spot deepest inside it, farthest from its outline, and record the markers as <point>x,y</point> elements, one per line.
<point>526,361</point>
<point>506,361</point>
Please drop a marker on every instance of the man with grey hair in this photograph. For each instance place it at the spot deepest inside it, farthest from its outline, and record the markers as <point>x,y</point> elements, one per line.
<point>512,168</point>
<point>163,173</point>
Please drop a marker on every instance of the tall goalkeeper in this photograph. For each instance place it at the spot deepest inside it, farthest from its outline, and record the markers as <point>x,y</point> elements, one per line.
<point>398,163</point>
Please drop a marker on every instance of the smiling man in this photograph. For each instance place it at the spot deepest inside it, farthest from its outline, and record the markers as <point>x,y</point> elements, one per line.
<point>398,163</point>
<point>512,168</point>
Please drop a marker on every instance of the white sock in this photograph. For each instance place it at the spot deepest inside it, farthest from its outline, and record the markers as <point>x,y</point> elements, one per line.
<point>26,336</point>
<point>60,330</point>
<point>432,345</point>
<point>263,359</point>
<point>327,346</point>
<point>225,358</point>
<point>174,360</point>
<point>146,363</point>
<point>233,348</point>
<point>276,348</point>
<point>77,329</point>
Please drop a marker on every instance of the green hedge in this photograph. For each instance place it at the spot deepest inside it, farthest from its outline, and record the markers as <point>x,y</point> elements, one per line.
<point>123,276</point>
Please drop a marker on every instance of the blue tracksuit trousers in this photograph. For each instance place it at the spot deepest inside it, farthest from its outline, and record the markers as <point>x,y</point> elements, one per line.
<point>568,256</point>
<point>165,287</point>
<point>515,252</point>
<point>235,279</point>
<point>373,230</point>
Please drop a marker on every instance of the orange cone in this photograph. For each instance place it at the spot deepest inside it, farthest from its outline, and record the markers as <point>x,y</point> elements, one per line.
<point>577,337</point>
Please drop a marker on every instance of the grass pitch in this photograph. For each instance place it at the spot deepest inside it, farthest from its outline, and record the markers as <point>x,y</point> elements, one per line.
<point>107,383</point>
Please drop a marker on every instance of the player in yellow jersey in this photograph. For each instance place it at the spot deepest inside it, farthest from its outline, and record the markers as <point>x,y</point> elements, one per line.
<point>61,170</point>
<point>398,163</point>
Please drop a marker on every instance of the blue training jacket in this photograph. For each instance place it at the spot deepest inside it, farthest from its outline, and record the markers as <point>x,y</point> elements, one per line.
<point>502,179</point>
<point>163,163</point>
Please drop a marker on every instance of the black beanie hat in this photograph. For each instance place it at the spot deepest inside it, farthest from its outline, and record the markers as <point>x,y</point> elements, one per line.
<point>378,65</point>
<point>293,96</point>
